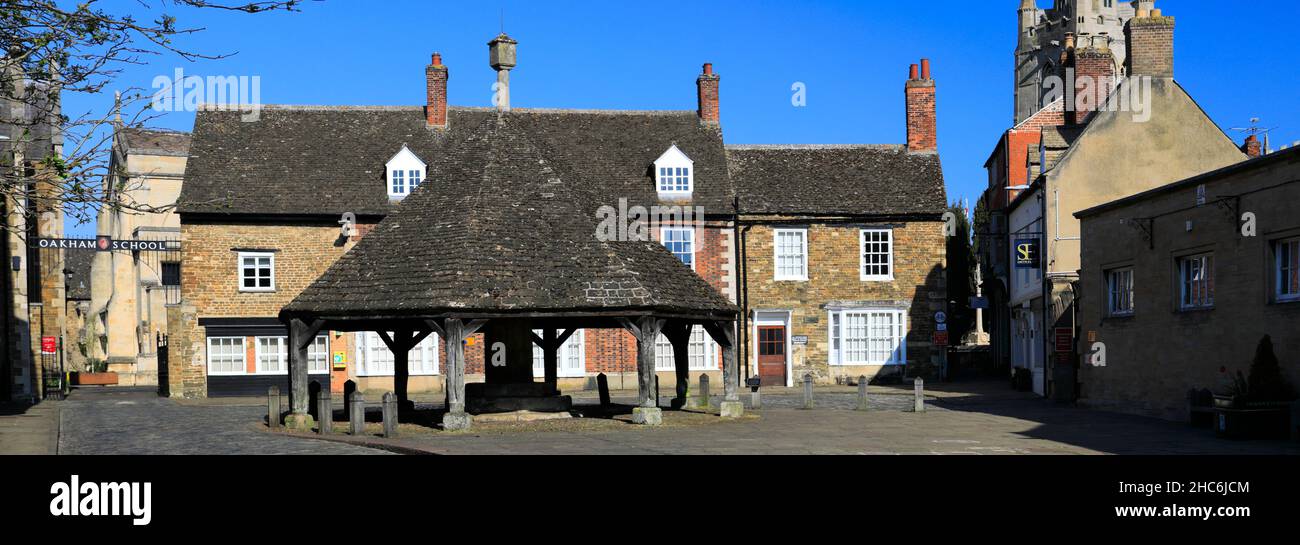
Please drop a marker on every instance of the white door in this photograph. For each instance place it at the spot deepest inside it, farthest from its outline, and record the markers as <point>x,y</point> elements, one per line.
<point>572,356</point>
<point>1034,351</point>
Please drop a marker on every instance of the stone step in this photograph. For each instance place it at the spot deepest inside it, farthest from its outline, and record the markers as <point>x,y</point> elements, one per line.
<point>506,404</point>
<point>526,389</point>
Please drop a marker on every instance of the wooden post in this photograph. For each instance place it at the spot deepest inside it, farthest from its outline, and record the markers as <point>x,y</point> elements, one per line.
<point>401,364</point>
<point>646,329</point>
<point>679,336</point>
<point>301,335</point>
<point>313,395</point>
<point>325,413</point>
<point>919,385</point>
<point>456,332</point>
<point>390,415</point>
<point>273,407</point>
<point>551,358</point>
<point>808,391</point>
<point>602,386</point>
<point>724,333</point>
<point>357,414</point>
<point>862,394</point>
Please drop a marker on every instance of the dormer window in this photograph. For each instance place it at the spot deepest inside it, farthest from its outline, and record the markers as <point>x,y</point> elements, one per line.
<point>405,173</point>
<point>674,174</point>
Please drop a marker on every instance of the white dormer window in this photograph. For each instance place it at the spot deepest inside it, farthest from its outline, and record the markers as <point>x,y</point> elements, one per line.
<point>674,173</point>
<point>405,172</point>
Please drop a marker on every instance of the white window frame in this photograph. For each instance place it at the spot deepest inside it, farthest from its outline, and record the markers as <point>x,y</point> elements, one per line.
<point>368,341</point>
<point>836,322</point>
<point>242,353</point>
<point>270,256</point>
<point>575,345</point>
<point>259,353</point>
<point>674,174</point>
<point>411,170</point>
<point>315,352</point>
<point>1115,297</point>
<point>1207,263</point>
<point>663,239</point>
<point>862,256</point>
<point>703,353</point>
<point>783,273</point>
<point>1281,270</point>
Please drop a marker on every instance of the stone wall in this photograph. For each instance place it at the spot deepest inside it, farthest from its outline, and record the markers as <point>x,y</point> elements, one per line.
<point>834,277</point>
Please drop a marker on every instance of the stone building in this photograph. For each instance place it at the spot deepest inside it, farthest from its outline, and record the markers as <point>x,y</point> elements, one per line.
<point>1179,283</point>
<point>263,202</point>
<point>32,286</point>
<point>1044,34</point>
<point>1143,133</point>
<point>79,344</point>
<point>844,252</point>
<point>131,289</point>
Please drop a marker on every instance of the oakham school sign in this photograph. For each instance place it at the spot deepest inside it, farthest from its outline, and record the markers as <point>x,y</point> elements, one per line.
<point>107,244</point>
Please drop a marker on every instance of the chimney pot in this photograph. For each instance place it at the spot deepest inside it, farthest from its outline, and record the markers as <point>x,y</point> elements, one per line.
<point>437,59</point>
<point>913,74</point>
<point>925,68</point>
<point>708,68</point>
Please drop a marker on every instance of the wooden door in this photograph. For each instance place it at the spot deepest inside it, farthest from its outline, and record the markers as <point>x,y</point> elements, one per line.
<point>771,355</point>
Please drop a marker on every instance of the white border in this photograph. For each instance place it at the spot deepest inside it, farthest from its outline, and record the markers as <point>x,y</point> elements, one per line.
<point>862,256</point>
<point>776,255</point>
<point>239,271</point>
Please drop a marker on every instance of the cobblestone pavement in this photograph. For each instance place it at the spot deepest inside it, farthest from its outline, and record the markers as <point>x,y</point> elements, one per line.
<point>960,419</point>
<point>108,421</point>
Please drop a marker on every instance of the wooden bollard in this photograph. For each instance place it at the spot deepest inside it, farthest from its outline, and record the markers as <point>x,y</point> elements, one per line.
<point>919,385</point>
<point>808,391</point>
<point>357,413</point>
<point>602,385</point>
<point>862,394</point>
<point>390,415</point>
<point>273,407</point>
<point>325,410</point>
<point>704,391</point>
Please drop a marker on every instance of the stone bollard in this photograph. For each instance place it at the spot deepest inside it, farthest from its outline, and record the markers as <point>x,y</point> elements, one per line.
<point>390,415</point>
<point>357,413</point>
<point>920,395</point>
<point>756,398</point>
<point>325,407</point>
<point>704,392</point>
<point>862,394</point>
<point>313,394</point>
<point>349,388</point>
<point>808,391</point>
<point>602,386</point>
<point>273,407</point>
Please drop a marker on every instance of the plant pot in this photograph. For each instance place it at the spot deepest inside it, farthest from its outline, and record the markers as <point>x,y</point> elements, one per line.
<point>94,379</point>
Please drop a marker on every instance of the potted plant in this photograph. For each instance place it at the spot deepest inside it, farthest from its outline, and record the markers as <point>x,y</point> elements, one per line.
<point>96,374</point>
<point>1257,407</point>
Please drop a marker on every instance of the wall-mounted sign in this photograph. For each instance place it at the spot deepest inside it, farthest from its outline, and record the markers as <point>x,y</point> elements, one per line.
<point>941,317</point>
<point>106,244</point>
<point>981,303</point>
<point>1064,340</point>
<point>799,340</point>
<point>49,345</point>
<point>1027,254</point>
<point>340,361</point>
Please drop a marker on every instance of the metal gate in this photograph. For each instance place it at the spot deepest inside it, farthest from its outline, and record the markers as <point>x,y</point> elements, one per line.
<point>163,382</point>
<point>52,372</point>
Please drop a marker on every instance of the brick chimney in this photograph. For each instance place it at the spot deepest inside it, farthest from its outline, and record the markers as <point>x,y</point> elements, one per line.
<point>435,78</point>
<point>1150,37</point>
<point>1252,148</point>
<point>707,84</point>
<point>922,132</point>
<point>1094,73</point>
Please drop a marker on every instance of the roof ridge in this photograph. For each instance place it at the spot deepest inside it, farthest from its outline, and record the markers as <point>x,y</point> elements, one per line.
<point>890,147</point>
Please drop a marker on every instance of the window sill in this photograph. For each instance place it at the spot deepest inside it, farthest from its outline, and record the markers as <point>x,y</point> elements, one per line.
<point>1120,317</point>
<point>243,290</point>
<point>1194,310</point>
<point>791,279</point>
<point>1293,301</point>
<point>876,278</point>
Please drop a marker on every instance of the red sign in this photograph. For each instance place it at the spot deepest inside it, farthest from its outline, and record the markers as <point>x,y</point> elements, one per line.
<point>49,345</point>
<point>941,338</point>
<point>1064,340</point>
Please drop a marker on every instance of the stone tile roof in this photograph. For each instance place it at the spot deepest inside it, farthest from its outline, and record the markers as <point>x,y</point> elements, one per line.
<point>155,142</point>
<point>79,263</point>
<point>508,222</point>
<point>1056,142</point>
<point>831,180</point>
<point>330,160</point>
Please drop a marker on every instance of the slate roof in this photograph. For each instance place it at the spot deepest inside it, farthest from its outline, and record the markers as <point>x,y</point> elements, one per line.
<point>79,263</point>
<point>155,142</point>
<point>321,160</point>
<point>507,221</point>
<point>837,180</point>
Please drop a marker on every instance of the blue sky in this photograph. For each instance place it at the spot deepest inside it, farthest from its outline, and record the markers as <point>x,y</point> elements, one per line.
<point>852,57</point>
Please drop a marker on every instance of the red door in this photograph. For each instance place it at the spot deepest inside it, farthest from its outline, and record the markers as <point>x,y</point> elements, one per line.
<point>771,355</point>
